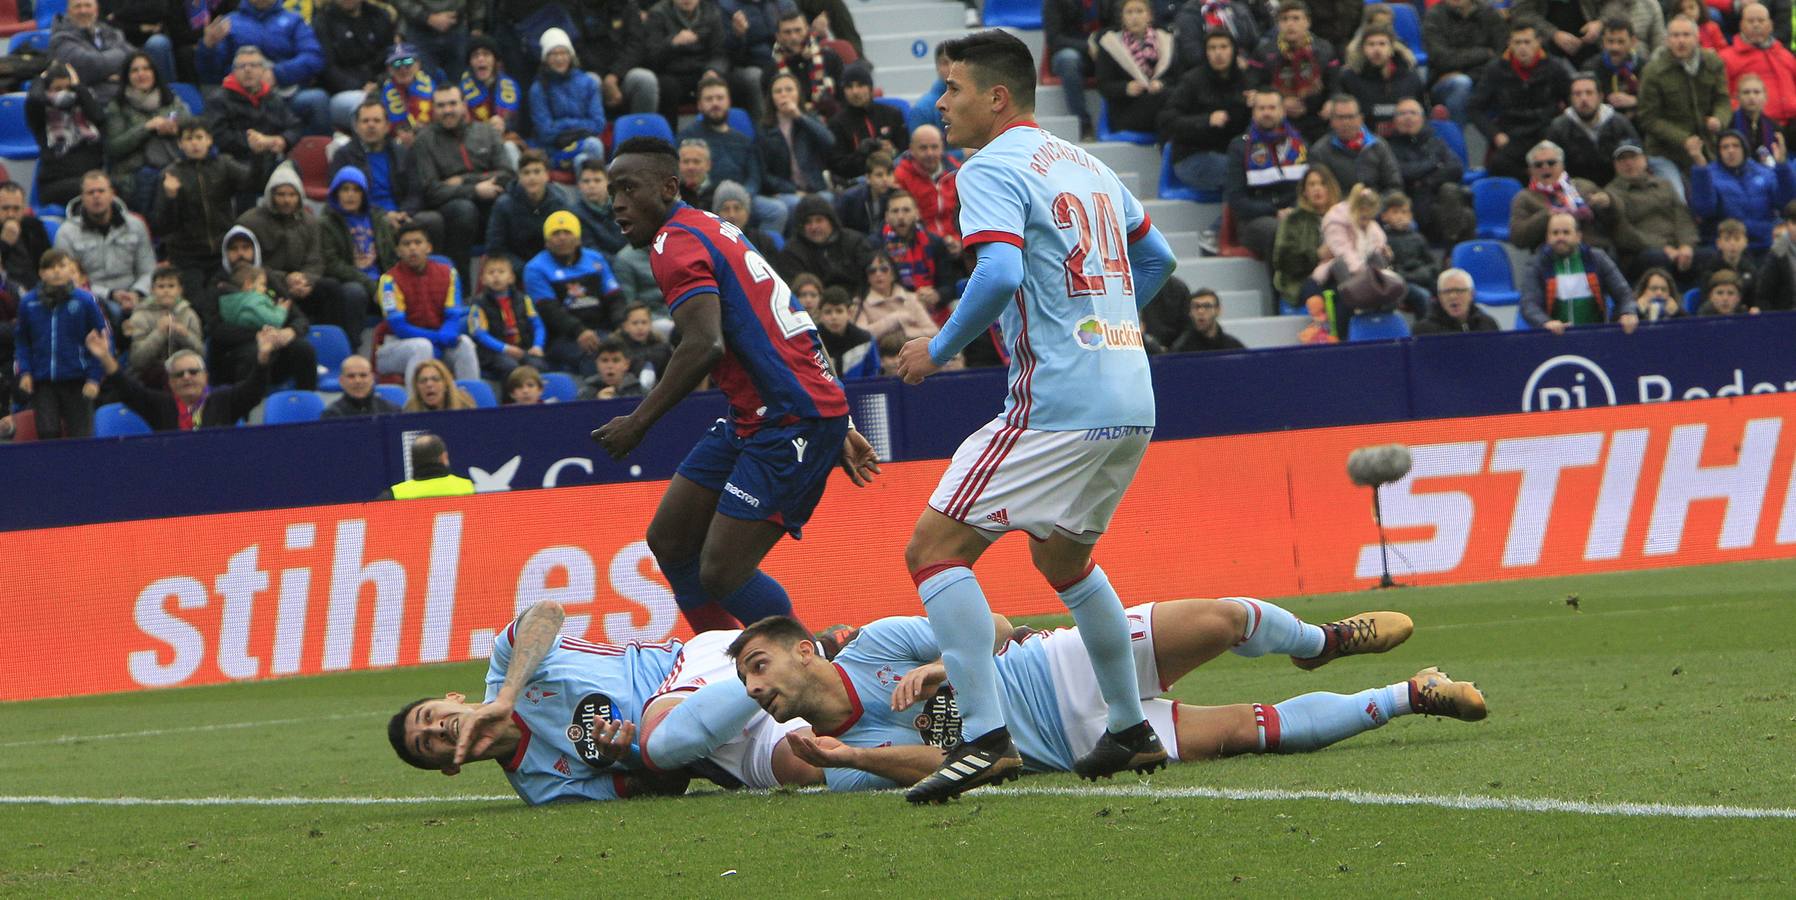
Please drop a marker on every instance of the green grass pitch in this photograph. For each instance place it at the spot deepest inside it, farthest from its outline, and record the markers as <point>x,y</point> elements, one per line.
<point>1670,687</point>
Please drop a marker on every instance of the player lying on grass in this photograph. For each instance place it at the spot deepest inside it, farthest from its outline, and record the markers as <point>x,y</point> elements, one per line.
<point>881,717</point>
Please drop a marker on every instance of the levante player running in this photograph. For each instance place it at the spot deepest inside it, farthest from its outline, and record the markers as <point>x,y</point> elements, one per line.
<point>758,474</point>
<point>1067,257</point>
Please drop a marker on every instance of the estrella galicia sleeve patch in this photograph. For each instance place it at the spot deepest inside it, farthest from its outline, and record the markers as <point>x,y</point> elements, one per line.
<point>590,715</point>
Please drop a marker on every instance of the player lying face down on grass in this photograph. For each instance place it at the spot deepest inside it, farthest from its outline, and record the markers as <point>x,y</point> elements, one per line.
<point>881,715</point>
<point>757,475</point>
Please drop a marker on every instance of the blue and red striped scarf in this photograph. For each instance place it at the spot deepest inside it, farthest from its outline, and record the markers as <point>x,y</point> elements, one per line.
<point>910,258</point>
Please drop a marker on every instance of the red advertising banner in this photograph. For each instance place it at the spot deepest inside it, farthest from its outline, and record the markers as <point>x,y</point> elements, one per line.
<point>244,596</point>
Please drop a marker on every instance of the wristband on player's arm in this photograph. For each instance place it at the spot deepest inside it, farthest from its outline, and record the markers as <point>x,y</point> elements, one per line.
<point>995,280</point>
<point>1151,260</point>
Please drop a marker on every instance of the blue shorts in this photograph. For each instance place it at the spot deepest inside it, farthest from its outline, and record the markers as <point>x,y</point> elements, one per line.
<point>776,474</point>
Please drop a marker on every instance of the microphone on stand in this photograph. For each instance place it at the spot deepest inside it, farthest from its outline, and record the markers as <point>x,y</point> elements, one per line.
<point>1375,467</point>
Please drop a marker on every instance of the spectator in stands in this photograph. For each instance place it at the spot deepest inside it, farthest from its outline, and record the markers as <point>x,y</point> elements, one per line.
<point>523,387</point>
<point>1411,256</point>
<point>685,40</point>
<point>288,234</point>
<point>159,28</point>
<point>1731,254</point>
<point>66,118</point>
<point>140,132</point>
<point>60,372</point>
<point>1750,119</point>
<point>1195,23</point>
<point>1353,152</point>
<point>1352,241</point>
<point>923,263</point>
<point>433,389</point>
<point>852,350</point>
<point>1204,332</point>
<point>1735,186</point>
<point>751,27</point>
<point>287,43</point>
<point>359,396</point>
<point>387,165</point>
<point>193,209</point>
<point>567,107</point>
<point>250,119</point>
<point>355,37</point>
<point>1723,297</point>
<point>1136,69</point>
<point>831,20</point>
<point>406,92</point>
<point>1757,51</point>
<point>735,156</point>
<point>927,174</point>
<point>516,226</point>
<point>1334,20</point>
<point>1266,166</point>
<point>1431,176</point>
<point>612,378</point>
<point>1683,103</point>
<point>795,145</point>
<point>1516,99</point>
<point>1552,190</point>
<point>923,111</point>
<point>462,171</point>
<point>1569,282</point>
<point>598,227</point>
<point>732,206</point>
<point>1589,131</point>
<point>1653,229</point>
<point>95,50</point>
<point>648,352</point>
<point>1068,27</point>
<point>890,312</point>
<point>1299,66</point>
<point>574,291</point>
<point>1456,312</point>
<point>490,94</point>
<point>808,289</point>
<point>696,187</point>
<point>23,238</point>
<point>1656,294</point>
<point>1382,78</point>
<point>863,205</point>
<point>425,313</point>
<point>249,304</point>
<point>357,244</point>
<point>1777,274</point>
<point>1463,37</point>
<point>1568,31</point>
<point>863,127</point>
<point>110,245</point>
<point>614,37</point>
<point>233,348</point>
<point>1619,67</point>
<point>818,70</point>
<point>439,29</point>
<point>191,400</point>
<point>1204,111</point>
<point>820,245</point>
<point>507,331</point>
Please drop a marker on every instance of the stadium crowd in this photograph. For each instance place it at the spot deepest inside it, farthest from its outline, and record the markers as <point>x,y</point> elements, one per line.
<point>425,181</point>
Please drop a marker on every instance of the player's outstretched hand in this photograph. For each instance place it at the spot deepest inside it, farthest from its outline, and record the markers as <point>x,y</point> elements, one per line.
<point>479,731</point>
<point>920,682</point>
<point>914,363</point>
<point>822,752</point>
<point>613,740</point>
<point>619,436</point>
<point>858,459</point>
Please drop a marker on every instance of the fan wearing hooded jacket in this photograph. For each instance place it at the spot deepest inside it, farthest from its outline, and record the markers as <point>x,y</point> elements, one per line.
<point>288,234</point>
<point>355,239</point>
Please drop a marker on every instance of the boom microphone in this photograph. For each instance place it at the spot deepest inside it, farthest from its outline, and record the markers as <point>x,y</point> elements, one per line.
<point>1373,466</point>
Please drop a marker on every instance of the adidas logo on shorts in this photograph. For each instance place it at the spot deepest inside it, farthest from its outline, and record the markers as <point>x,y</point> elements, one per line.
<point>1002,517</point>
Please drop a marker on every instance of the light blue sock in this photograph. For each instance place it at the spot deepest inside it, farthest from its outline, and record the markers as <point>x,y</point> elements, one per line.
<point>1314,721</point>
<point>962,622</point>
<point>1272,629</point>
<point>1104,629</point>
<point>707,719</point>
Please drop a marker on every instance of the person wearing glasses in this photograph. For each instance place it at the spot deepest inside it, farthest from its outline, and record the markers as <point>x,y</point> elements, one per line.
<point>250,121</point>
<point>1457,310</point>
<point>291,55</point>
<point>1551,190</point>
<point>1205,332</point>
<point>191,401</point>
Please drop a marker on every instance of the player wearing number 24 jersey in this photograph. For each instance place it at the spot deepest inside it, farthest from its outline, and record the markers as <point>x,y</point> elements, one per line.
<point>757,474</point>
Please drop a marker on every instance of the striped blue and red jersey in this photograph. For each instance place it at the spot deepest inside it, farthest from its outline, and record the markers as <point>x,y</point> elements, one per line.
<point>774,368</point>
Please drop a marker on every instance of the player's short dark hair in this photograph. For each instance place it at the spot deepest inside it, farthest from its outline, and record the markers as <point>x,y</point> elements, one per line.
<point>998,57</point>
<point>410,227</point>
<point>784,630</point>
<point>661,153</point>
<point>835,295</point>
<point>396,735</point>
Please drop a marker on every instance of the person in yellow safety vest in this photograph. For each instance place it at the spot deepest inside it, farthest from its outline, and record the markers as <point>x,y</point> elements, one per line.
<point>430,473</point>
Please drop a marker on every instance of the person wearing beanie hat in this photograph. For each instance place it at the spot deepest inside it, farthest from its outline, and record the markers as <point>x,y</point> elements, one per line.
<point>574,291</point>
<point>288,234</point>
<point>863,127</point>
<point>491,95</point>
<point>733,204</point>
<point>439,29</point>
<point>567,106</point>
<point>407,90</point>
<point>354,35</point>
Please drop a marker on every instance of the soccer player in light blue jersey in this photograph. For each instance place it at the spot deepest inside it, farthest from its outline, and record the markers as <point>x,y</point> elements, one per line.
<point>1066,259</point>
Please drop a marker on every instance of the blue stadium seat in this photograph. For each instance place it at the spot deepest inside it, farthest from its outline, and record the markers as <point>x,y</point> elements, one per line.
<point>1408,25</point>
<point>1171,188</point>
<point>898,103</point>
<point>16,141</point>
<point>1492,278</point>
<point>560,387</point>
<point>332,346</point>
<point>50,227</point>
<point>190,95</point>
<point>779,240</point>
<point>1377,327</point>
<point>1454,137</point>
<point>292,406</point>
<point>48,10</point>
<point>1020,14</point>
<point>740,120</point>
<point>1692,300</point>
<point>29,40</point>
<point>115,420</point>
<point>1145,138</point>
<point>639,125</point>
<point>392,393</point>
<point>479,390</point>
<point>1490,201</point>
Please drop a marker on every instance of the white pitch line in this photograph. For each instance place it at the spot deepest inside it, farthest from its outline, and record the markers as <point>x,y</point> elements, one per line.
<point>1358,798</point>
<point>157,732</point>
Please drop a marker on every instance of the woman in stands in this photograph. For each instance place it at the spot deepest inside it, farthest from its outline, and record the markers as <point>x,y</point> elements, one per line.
<point>434,389</point>
<point>890,312</point>
<point>140,132</point>
<point>1294,250</point>
<point>795,145</point>
<point>1657,296</point>
<point>1136,69</point>
<point>66,119</point>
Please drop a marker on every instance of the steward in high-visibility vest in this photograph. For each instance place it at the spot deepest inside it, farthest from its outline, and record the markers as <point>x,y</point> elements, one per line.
<point>430,473</point>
